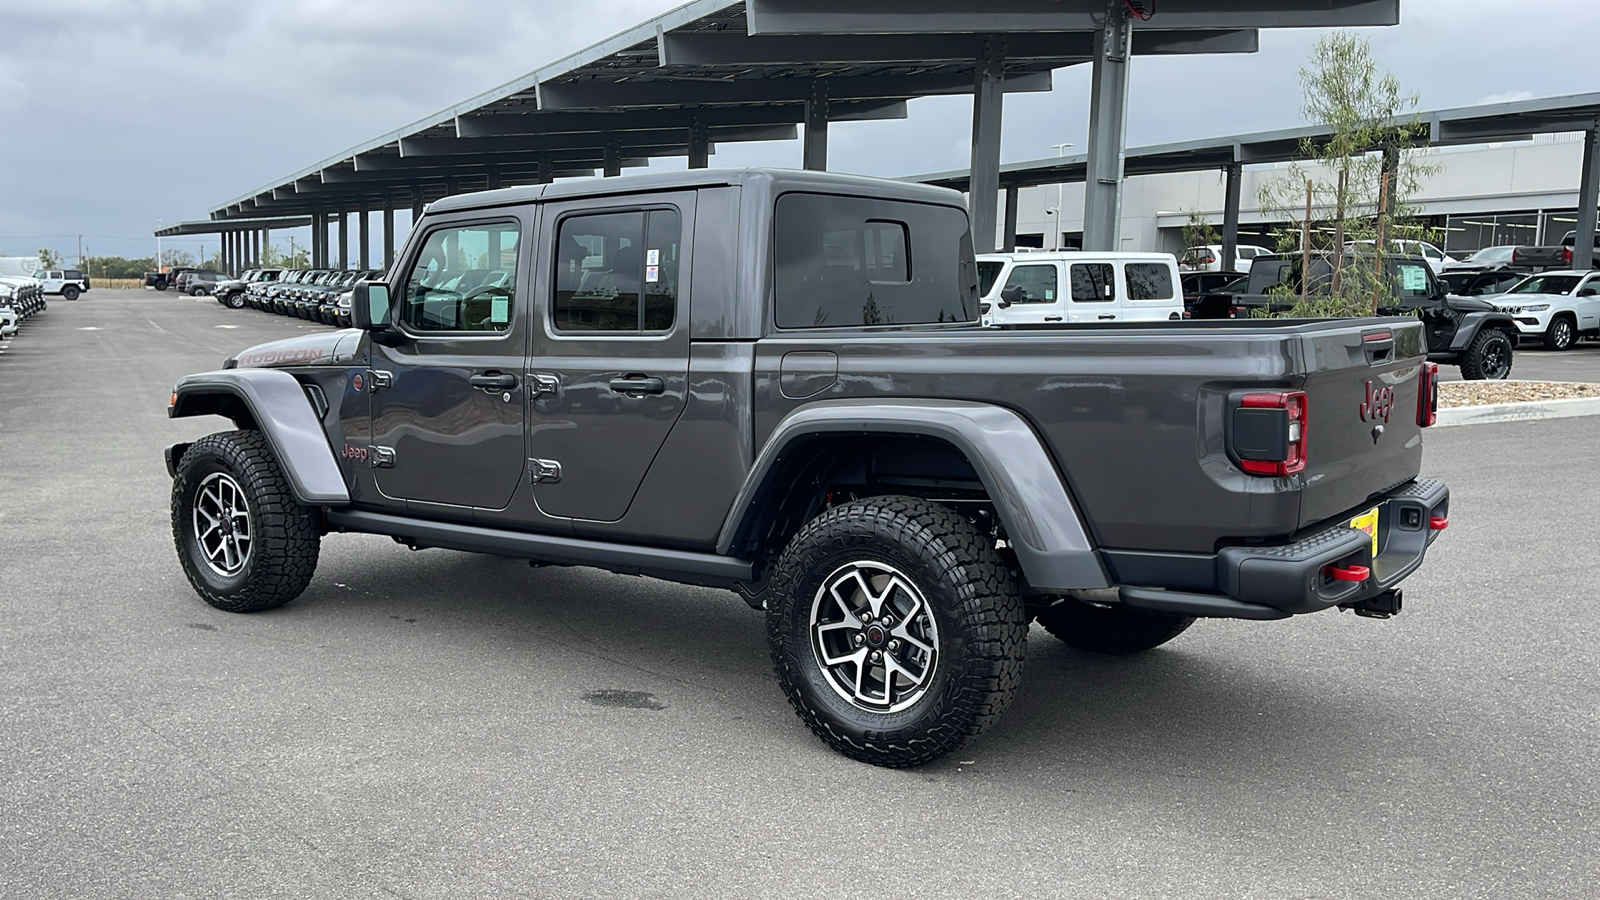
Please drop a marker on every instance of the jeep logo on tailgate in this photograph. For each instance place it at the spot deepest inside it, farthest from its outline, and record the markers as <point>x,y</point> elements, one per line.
<point>1378,405</point>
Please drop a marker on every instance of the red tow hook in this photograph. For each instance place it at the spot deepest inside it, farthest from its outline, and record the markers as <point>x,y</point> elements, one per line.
<point>1439,523</point>
<point>1348,573</point>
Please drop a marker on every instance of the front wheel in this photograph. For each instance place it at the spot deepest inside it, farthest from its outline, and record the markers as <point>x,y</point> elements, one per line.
<point>1561,335</point>
<point>69,292</point>
<point>236,301</point>
<point>896,631</point>
<point>1110,630</point>
<point>243,541</point>
<point>1487,357</point>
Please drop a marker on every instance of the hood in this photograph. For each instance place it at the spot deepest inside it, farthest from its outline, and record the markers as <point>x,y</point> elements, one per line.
<point>1471,304</point>
<point>1513,302</point>
<point>331,348</point>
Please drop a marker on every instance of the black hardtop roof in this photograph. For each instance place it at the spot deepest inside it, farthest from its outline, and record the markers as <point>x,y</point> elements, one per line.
<point>774,181</point>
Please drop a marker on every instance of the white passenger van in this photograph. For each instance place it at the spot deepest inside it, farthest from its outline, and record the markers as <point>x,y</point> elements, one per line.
<point>1073,287</point>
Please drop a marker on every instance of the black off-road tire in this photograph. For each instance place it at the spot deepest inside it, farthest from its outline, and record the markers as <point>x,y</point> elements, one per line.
<point>970,595</point>
<point>1561,335</point>
<point>1109,630</point>
<point>1489,356</point>
<point>284,536</point>
<point>236,301</point>
<point>69,293</point>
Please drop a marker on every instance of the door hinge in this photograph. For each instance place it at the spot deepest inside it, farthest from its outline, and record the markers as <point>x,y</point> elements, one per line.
<point>544,470</point>
<point>379,380</point>
<point>542,383</point>
<point>382,457</point>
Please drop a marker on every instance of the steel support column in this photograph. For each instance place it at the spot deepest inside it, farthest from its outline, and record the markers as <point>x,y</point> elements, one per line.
<point>1230,215</point>
<point>416,204</point>
<point>699,144</point>
<point>1108,131</point>
<point>613,158</point>
<point>546,173</point>
<point>319,240</point>
<point>388,233</point>
<point>344,240</point>
<point>1589,188</point>
<point>1013,195</point>
<point>814,156</point>
<point>987,100</point>
<point>363,235</point>
<point>492,177</point>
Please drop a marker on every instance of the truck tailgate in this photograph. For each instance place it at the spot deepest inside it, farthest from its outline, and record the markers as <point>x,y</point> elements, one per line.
<point>1362,438</point>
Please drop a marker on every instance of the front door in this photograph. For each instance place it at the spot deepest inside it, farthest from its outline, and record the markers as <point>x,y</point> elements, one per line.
<point>448,402</point>
<point>1033,291</point>
<point>611,350</point>
<point>1093,287</point>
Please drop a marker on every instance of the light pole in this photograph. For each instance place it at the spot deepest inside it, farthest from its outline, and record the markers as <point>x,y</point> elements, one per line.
<point>158,244</point>
<point>1061,150</point>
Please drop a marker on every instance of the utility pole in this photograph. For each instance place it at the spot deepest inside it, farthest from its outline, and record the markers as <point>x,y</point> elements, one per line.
<point>80,251</point>
<point>1061,150</point>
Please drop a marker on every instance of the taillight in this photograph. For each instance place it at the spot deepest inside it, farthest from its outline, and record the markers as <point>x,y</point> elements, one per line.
<point>1566,255</point>
<point>1428,395</point>
<point>1269,433</point>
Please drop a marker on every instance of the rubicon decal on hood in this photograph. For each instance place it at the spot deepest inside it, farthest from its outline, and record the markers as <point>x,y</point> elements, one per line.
<point>331,348</point>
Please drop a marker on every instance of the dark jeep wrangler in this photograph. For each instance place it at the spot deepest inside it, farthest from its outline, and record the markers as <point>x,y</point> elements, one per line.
<point>774,382</point>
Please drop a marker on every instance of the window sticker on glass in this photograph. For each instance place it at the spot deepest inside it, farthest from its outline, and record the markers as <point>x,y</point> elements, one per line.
<point>1414,278</point>
<point>652,274</point>
<point>652,257</point>
<point>499,310</point>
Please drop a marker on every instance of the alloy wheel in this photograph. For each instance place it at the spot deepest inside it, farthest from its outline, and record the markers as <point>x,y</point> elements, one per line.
<point>222,524</point>
<point>874,636</point>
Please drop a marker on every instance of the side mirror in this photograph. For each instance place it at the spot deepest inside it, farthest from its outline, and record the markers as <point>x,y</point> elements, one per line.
<point>1588,292</point>
<point>1009,296</point>
<point>369,306</point>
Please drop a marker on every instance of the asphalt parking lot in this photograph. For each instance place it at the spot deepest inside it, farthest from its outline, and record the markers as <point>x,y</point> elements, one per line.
<point>439,724</point>
<point>1531,362</point>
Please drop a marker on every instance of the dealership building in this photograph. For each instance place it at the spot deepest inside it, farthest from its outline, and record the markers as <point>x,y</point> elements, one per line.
<point>1512,193</point>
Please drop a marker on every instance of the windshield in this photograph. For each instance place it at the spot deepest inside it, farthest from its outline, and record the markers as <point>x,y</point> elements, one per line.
<point>988,274</point>
<point>1492,254</point>
<point>1547,284</point>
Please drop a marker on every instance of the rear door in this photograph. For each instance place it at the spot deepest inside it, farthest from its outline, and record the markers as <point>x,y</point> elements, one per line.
<point>1092,292</point>
<point>1588,303</point>
<point>610,352</point>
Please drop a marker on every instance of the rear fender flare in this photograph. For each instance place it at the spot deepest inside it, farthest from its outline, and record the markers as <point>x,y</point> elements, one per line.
<point>273,402</point>
<point>1041,521</point>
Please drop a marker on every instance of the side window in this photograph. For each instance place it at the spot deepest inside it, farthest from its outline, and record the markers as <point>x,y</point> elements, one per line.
<point>1413,280</point>
<point>1093,282</point>
<point>617,272</point>
<point>1031,284</point>
<point>1149,281</point>
<point>464,280</point>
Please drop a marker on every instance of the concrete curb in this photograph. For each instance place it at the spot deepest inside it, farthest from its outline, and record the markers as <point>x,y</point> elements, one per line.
<point>1527,411</point>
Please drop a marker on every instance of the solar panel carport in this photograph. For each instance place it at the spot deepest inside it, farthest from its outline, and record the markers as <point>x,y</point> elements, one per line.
<point>1514,121</point>
<point>715,70</point>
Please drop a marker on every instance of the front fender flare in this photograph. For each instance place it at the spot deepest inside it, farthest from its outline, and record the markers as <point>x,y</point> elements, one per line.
<point>1474,322</point>
<point>281,411</point>
<point>1041,521</point>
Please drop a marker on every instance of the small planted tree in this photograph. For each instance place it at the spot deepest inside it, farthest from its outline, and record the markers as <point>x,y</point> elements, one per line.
<point>1199,232</point>
<point>1356,188</point>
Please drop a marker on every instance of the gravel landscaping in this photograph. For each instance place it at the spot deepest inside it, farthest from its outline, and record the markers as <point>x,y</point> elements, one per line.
<point>1481,393</point>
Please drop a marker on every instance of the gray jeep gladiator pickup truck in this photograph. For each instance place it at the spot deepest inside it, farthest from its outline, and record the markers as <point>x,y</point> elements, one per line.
<point>774,382</point>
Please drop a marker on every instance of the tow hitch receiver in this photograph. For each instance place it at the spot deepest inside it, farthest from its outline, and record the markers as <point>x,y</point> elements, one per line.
<point>1384,606</point>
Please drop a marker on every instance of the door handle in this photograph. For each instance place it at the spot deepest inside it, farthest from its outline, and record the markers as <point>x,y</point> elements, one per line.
<point>1103,318</point>
<point>638,384</point>
<point>1052,318</point>
<point>493,381</point>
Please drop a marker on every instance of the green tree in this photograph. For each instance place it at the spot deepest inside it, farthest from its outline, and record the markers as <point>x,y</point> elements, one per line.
<point>1361,181</point>
<point>49,259</point>
<point>294,258</point>
<point>1199,232</point>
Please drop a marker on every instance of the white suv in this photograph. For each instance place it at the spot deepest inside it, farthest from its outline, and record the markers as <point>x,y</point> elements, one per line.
<point>1556,307</point>
<point>69,283</point>
<point>1209,259</point>
<point>1056,288</point>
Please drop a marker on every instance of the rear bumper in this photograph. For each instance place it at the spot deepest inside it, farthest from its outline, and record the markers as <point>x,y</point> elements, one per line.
<point>1275,582</point>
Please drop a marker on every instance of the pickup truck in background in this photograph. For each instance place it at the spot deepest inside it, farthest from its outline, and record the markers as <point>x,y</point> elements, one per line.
<point>162,280</point>
<point>1470,332</point>
<point>775,382</point>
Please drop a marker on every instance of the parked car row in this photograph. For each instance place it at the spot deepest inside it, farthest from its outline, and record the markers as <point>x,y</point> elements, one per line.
<point>21,298</point>
<point>230,292</point>
<point>318,295</point>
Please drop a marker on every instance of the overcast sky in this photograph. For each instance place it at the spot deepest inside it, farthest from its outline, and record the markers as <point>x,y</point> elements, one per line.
<point>119,114</point>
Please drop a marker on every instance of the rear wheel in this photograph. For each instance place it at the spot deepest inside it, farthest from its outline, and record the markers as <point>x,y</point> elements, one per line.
<point>244,543</point>
<point>1561,335</point>
<point>70,292</point>
<point>1487,357</point>
<point>896,632</point>
<point>1110,630</point>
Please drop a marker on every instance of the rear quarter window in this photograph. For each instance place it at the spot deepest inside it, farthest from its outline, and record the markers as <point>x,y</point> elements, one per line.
<point>855,261</point>
<point>1149,281</point>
